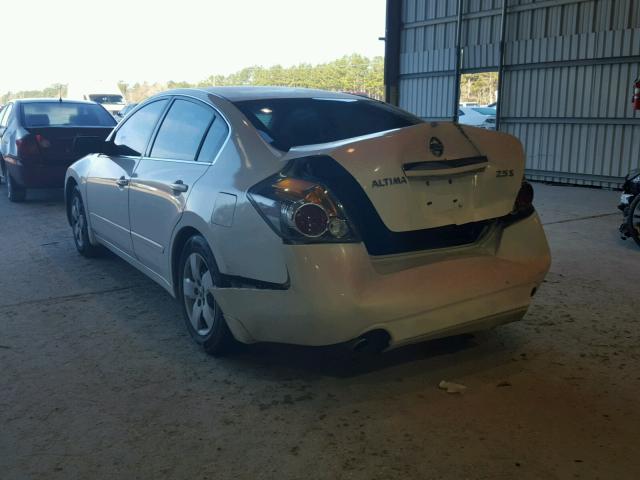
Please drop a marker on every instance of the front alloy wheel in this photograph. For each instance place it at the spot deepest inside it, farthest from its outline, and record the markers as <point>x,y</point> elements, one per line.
<point>80,227</point>
<point>77,222</point>
<point>203,316</point>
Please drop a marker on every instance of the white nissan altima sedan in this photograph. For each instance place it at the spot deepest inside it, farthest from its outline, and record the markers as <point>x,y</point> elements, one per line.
<point>315,218</point>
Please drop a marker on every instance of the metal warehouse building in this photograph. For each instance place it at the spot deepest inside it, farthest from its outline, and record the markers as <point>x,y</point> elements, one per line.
<point>567,69</point>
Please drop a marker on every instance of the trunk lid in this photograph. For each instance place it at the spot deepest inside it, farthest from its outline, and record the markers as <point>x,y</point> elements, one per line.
<point>64,145</point>
<point>432,174</point>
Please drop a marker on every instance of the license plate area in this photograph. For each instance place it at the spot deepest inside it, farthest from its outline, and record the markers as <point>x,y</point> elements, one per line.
<point>446,194</point>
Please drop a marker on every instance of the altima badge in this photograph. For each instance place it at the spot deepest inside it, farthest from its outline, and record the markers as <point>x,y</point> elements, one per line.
<point>436,146</point>
<point>386,182</point>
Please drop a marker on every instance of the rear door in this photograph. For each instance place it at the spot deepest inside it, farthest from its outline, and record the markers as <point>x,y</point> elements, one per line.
<point>110,176</point>
<point>164,179</point>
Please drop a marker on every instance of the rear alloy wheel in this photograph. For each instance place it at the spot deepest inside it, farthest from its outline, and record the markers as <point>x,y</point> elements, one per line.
<point>633,219</point>
<point>15,193</point>
<point>203,316</point>
<point>80,227</point>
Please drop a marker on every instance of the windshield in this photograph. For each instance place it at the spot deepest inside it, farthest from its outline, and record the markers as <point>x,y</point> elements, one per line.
<point>100,98</point>
<point>290,122</point>
<point>45,114</point>
<point>484,110</point>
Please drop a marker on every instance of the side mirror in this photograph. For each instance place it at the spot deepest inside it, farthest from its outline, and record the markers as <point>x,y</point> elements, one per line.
<point>106,148</point>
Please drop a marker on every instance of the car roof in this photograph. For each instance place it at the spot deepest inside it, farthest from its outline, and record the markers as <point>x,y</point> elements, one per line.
<point>236,94</point>
<point>49,100</point>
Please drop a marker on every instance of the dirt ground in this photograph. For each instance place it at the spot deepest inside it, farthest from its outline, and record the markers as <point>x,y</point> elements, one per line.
<point>98,378</point>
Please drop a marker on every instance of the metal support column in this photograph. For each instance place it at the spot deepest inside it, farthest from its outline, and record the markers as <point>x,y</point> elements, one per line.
<point>503,27</point>
<point>392,51</point>
<point>456,95</point>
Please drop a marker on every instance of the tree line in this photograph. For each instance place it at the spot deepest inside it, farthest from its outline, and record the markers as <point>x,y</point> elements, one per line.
<point>351,73</point>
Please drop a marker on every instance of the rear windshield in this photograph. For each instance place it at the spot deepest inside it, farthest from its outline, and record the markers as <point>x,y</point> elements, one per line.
<point>65,114</point>
<point>484,110</point>
<point>100,98</point>
<point>291,122</point>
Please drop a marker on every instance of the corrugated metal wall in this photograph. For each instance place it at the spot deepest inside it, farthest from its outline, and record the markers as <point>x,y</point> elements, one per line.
<point>569,67</point>
<point>428,58</point>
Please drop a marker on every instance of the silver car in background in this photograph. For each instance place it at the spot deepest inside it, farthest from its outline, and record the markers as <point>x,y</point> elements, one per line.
<point>311,217</point>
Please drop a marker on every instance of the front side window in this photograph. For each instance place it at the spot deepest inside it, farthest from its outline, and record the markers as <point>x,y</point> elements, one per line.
<point>65,114</point>
<point>290,122</point>
<point>131,139</point>
<point>181,132</point>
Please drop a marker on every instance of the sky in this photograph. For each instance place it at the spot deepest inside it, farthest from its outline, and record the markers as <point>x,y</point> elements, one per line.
<point>66,41</point>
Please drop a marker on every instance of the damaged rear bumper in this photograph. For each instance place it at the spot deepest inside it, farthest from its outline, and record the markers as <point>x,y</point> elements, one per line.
<point>339,292</point>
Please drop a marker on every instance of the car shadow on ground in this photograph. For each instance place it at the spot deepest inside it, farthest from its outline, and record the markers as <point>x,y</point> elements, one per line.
<point>53,196</point>
<point>629,245</point>
<point>340,361</point>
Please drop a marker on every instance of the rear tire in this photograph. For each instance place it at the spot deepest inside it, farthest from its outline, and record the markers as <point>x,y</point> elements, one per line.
<point>633,220</point>
<point>197,275</point>
<point>15,193</point>
<point>80,226</point>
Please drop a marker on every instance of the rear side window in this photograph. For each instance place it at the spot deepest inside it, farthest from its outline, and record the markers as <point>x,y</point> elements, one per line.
<point>65,114</point>
<point>290,122</point>
<point>182,130</point>
<point>216,136</point>
<point>132,137</point>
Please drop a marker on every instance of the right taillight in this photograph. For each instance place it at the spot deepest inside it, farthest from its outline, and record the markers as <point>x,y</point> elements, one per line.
<point>301,210</point>
<point>524,200</point>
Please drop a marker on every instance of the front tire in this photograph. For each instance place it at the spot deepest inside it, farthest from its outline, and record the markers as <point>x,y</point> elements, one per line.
<point>633,220</point>
<point>80,226</point>
<point>198,274</point>
<point>16,193</point>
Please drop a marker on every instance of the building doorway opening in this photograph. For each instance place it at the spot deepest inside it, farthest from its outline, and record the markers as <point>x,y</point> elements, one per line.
<point>478,99</point>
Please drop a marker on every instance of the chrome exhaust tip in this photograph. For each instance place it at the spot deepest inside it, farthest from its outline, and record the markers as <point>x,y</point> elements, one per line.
<point>375,341</point>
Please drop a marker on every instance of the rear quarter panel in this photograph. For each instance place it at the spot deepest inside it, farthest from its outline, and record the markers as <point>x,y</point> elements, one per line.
<point>247,247</point>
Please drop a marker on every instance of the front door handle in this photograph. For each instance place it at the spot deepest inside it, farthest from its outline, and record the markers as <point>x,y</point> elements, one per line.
<point>179,187</point>
<point>122,182</point>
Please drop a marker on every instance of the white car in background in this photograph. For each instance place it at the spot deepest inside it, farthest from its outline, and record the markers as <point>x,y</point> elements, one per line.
<point>483,117</point>
<point>315,218</point>
<point>106,94</point>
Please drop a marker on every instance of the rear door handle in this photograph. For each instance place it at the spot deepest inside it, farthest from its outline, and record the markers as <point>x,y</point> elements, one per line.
<point>122,182</point>
<point>179,186</point>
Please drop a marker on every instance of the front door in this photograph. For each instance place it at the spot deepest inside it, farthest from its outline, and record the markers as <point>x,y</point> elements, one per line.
<point>109,179</point>
<point>164,180</point>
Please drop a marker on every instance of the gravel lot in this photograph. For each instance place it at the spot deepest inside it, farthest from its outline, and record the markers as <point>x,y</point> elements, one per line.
<point>98,378</point>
